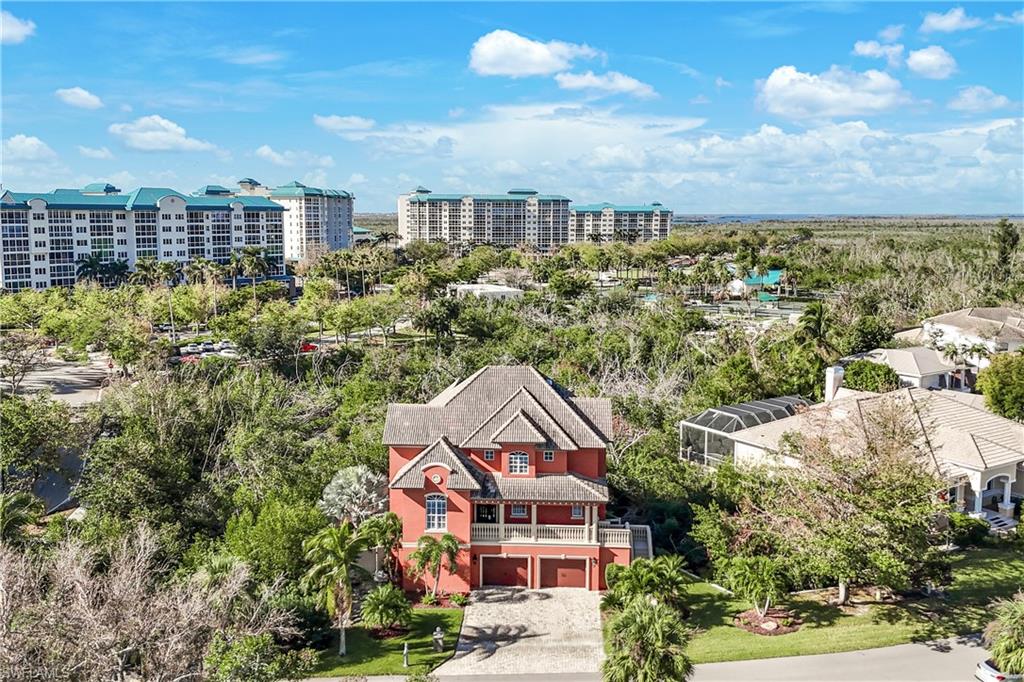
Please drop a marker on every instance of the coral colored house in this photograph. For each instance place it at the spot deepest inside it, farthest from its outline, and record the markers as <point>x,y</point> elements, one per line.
<point>513,466</point>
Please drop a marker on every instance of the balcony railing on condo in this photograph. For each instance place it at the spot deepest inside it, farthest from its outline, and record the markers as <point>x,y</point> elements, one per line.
<point>550,534</point>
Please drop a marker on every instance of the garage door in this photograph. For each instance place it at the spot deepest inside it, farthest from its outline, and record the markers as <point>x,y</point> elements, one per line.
<point>563,572</point>
<point>510,571</point>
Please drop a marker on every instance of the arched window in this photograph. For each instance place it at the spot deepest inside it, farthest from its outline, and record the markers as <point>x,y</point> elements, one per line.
<point>437,512</point>
<point>518,463</point>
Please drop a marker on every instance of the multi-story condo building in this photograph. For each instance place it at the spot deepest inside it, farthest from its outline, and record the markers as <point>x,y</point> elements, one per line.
<point>606,222</point>
<point>44,234</point>
<point>520,216</point>
<point>513,466</point>
<point>316,219</point>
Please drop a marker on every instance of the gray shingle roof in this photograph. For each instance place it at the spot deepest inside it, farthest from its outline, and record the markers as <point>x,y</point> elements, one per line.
<point>463,476</point>
<point>545,488</point>
<point>471,411</point>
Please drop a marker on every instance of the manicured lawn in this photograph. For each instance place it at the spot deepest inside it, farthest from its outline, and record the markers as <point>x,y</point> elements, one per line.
<point>369,656</point>
<point>978,577</point>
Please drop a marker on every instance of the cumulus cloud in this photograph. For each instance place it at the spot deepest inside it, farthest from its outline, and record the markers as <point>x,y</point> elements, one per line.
<point>1006,139</point>
<point>100,153</point>
<point>978,98</point>
<point>612,82</point>
<point>292,158</point>
<point>891,33</point>
<point>356,179</point>
<point>27,148</point>
<point>954,20</point>
<point>1015,18</point>
<point>338,124</point>
<point>932,62</point>
<point>893,54</point>
<point>837,92</point>
<point>79,97</point>
<point>504,53</point>
<point>14,30</point>
<point>157,134</point>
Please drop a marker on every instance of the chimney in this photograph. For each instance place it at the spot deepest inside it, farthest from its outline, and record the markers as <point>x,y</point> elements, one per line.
<point>833,380</point>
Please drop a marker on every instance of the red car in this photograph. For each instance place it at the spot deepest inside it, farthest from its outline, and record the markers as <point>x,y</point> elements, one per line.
<point>308,348</point>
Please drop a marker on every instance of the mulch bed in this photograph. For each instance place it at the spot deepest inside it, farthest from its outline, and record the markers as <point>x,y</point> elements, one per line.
<point>771,624</point>
<point>443,602</point>
<point>387,633</point>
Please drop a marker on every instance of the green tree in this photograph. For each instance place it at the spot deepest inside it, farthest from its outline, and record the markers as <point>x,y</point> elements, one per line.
<point>254,264</point>
<point>34,432</point>
<point>1002,384</point>
<point>867,333</point>
<point>383,532</point>
<point>271,540</point>
<point>814,329</point>
<point>437,318</point>
<point>17,510</point>
<point>647,643</point>
<point>355,494</point>
<point>1006,238</point>
<point>386,607</point>
<point>569,285</point>
<point>90,267</point>
<point>1004,636</point>
<point>758,579</point>
<point>332,553</point>
<point>865,375</point>
<point>660,579</point>
<point>254,658</point>
<point>432,553</point>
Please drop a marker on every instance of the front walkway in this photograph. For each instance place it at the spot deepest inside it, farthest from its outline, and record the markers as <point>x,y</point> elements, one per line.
<point>518,631</point>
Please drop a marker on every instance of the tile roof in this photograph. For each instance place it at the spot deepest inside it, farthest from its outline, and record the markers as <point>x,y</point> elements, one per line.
<point>297,189</point>
<point>917,361</point>
<point>619,208</point>
<point>143,198</point>
<point>463,476</point>
<point>471,411</point>
<point>998,323</point>
<point>519,428</point>
<point>544,488</point>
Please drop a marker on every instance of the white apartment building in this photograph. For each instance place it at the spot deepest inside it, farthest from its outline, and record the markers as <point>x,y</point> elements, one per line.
<point>520,216</point>
<point>606,222</point>
<point>315,219</point>
<point>45,234</point>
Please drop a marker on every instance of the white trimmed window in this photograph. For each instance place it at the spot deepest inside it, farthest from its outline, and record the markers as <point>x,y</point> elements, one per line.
<point>489,455</point>
<point>437,512</point>
<point>519,511</point>
<point>549,455</point>
<point>577,511</point>
<point>518,463</point>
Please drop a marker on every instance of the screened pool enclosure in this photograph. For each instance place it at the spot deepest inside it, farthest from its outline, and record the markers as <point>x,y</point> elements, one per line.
<point>706,438</point>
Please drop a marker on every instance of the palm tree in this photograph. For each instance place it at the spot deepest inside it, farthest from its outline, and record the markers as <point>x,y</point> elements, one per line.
<point>814,328</point>
<point>116,271</point>
<point>431,554</point>
<point>90,267</point>
<point>332,553</point>
<point>196,271</point>
<point>17,510</point>
<point>234,267</point>
<point>146,271</point>
<point>1004,636</point>
<point>661,578</point>
<point>383,531</point>
<point>648,644</point>
<point>254,264</point>
<point>386,237</point>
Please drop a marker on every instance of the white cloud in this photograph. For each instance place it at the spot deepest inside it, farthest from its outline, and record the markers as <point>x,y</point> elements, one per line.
<point>1007,139</point>
<point>893,54</point>
<point>292,158</point>
<point>931,62</point>
<point>722,83</point>
<point>955,19</point>
<point>95,153</point>
<point>456,112</point>
<point>315,178</point>
<point>700,99</point>
<point>978,98</point>
<point>14,30</point>
<point>79,97</point>
<point>1015,18</point>
<point>157,134</point>
<point>27,148</point>
<point>837,92</point>
<point>356,179</point>
<point>612,82</point>
<point>338,124</point>
<point>126,108</point>
<point>504,53</point>
<point>891,33</point>
<point>249,56</point>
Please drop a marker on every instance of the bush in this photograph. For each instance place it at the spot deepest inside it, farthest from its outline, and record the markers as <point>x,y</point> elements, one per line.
<point>428,599</point>
<point>966,530</point>
<point>255,658</point>
<point>865,375</point>
<point>459,599</point>
<point>387,607</point>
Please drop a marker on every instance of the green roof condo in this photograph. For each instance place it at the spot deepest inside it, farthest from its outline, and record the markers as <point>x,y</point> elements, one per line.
<point>317,220</point>
<point>47,233</point>
<point>605,222</point>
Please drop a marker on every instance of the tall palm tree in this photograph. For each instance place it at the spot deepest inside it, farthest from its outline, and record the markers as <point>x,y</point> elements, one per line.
<point>431,554</point>
<point>254,264</point>
<point>332,553</point>
<point>17,510</point>
<point>386,237</point>
<point>234,267</point>
<point>146,272</point>
<point>814,329</point>
<point>90,267</point>
<point>383,531</point>
<point>116,271</point>
<point>196,271</point>
<point>648,644</point>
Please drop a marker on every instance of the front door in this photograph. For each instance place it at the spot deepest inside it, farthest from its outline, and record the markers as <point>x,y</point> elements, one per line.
<point>486,513</point>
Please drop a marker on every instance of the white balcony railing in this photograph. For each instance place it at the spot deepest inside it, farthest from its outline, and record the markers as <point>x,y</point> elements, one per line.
<point>551,534</point>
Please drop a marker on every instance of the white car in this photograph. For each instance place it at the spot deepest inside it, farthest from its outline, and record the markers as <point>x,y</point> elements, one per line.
<point>228,353</point>
<point>190,349</point>
<point>988,672</point>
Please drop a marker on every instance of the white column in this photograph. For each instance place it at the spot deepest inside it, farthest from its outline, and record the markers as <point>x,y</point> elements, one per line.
<point>1007,485</point>
<point>533,521</point>
<point>501,522</point>
<point>961,491</point>
<point>977,502</point>
<point>1006,507</point>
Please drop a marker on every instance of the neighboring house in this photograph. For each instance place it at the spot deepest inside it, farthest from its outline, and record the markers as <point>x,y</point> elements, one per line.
<point>921,367</point>
<point>707,437</point>
<point>513,466</point>
<point>488,291</point>
<point>999,330</point>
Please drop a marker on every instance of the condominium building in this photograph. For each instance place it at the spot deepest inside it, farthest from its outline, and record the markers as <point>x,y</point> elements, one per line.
<point>520,216</point>
<point>45,234</point>
<point>606,222</point>
<point>315,219</point>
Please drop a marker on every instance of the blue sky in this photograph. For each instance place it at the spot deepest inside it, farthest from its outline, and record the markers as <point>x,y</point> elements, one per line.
<point>721,108</point>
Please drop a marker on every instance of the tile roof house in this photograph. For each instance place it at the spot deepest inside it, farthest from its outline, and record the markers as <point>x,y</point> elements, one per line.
<point>999,329</point>
<point>513,465</point>
<point>921,367</point>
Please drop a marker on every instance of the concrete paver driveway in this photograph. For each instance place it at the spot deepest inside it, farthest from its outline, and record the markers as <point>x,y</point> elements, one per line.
<point>514,630</point>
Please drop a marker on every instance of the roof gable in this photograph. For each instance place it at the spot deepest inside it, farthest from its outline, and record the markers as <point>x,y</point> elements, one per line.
<point>462,476</point>
<point>519,429</point>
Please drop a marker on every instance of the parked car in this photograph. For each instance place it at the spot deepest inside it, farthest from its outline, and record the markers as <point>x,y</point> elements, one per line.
<point>988,672</point>
<point>228,353</point>
<point>207,347</point>
<point>190,349</point>
<point>308,348</point>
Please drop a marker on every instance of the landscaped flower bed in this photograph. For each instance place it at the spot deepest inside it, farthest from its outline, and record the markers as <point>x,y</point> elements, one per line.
<point>775,622</point>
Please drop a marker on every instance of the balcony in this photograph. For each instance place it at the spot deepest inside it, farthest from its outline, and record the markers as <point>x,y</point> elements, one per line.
<point>551,534</point>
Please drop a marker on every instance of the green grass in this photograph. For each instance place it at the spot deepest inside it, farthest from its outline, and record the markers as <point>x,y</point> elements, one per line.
<point>978,577</point>
<point>369,656</point>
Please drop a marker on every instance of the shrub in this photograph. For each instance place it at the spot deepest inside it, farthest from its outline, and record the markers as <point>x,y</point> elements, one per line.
<point>966,530</point>
<point>459,599</point>
<point>865,375</point>
<point>428,599</point>
<point>387,607</point>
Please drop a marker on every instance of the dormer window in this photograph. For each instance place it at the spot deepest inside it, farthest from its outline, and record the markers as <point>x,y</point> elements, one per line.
<point>518,463</point>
